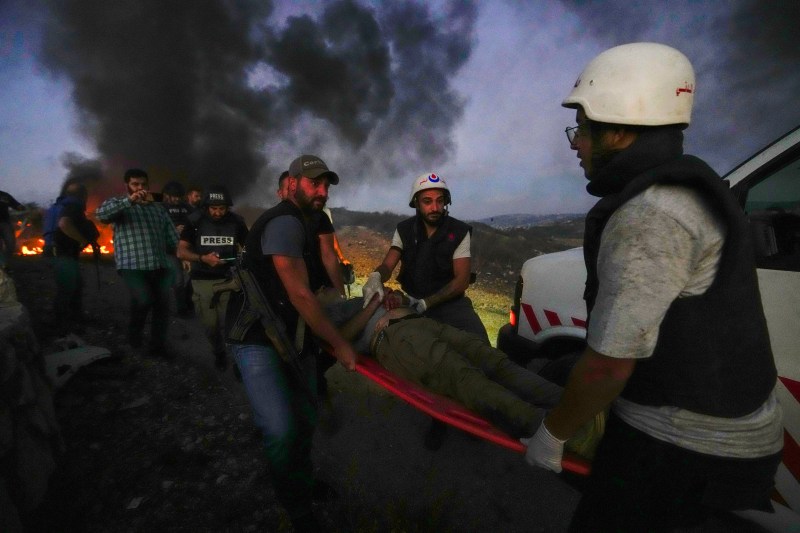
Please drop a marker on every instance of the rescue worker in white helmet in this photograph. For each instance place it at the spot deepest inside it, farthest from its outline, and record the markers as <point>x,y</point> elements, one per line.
<point>677,343</point>
<point>210,241</point>
<point>434,251</point>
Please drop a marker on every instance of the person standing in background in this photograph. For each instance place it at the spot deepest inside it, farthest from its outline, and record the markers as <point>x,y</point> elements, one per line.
<point>144,236</point>
<point>178,210</point>
<point>194,196</point>
<point>210,242</point>
<point>73,233</point>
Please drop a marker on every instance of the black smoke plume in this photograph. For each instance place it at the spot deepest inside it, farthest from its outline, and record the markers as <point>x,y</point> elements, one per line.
<point>219,91</point>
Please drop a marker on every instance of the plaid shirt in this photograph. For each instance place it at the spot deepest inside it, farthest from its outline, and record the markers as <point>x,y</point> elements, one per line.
<point>143,233</point>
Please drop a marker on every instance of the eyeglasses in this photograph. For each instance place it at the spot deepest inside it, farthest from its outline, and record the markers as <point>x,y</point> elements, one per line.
<point>574,132</point>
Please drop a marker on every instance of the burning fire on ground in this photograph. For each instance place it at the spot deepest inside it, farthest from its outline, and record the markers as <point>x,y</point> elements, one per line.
<point>30,238</point>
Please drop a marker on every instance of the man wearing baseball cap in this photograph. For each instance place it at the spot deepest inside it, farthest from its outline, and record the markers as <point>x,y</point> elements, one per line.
<point>287,264</point>
<point>312,167</point>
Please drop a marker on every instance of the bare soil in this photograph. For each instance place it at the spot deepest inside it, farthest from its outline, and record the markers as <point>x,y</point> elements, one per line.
<point>169,445</point>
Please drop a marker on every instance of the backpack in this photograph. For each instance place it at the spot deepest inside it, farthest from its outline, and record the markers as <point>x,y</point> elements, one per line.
<point>52,216</point>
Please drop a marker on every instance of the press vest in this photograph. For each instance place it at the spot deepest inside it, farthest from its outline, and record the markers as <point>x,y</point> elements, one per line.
<point>427,263</point>
<point>178,213</point>
<point>264,271</point>
<point>214,236</point>
<point>713,354</point>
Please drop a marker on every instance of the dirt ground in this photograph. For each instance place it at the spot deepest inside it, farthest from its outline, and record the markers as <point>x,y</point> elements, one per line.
<point>157,445</point>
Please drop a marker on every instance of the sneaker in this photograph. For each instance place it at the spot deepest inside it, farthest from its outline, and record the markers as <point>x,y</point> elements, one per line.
<point>434,438</point>
<point>585,441</point>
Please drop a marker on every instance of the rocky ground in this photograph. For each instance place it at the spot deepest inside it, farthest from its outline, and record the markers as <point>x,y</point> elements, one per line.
<point>169,445</point>
<point>159,445</point>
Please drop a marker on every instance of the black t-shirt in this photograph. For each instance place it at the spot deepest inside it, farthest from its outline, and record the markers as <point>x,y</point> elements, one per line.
<point>66,246</point>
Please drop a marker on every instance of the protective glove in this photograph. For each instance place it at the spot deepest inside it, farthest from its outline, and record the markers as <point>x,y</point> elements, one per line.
<point>373,286</point>
<point>544,450</point>
<point>417,305</point>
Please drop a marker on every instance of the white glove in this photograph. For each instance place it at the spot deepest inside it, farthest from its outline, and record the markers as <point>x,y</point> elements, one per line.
<point>417,305</point>
<point>544,450</point>
<point>374,285</point>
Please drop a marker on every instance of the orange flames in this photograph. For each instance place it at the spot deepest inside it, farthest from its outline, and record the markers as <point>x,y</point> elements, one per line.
<point>30,240</point>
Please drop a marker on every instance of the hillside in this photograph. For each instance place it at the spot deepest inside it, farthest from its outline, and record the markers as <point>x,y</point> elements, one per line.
<point>525,220</point>
<point>497,254</point>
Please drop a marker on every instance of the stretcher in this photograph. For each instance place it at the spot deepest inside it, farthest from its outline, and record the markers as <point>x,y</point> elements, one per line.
<point>452,413</point>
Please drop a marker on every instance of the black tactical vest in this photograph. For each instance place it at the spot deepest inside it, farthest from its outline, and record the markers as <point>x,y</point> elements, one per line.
<point>713,354</point>
<point>427,263</point>
<point>264,271</point>
<point>214,236</point>
<point>178,213</point>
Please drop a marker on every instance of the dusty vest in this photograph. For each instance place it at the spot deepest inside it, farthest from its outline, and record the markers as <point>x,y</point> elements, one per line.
<point>713,354</point>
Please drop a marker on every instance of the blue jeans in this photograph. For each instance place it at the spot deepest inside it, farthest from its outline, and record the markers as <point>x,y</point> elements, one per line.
<point>286,417</point>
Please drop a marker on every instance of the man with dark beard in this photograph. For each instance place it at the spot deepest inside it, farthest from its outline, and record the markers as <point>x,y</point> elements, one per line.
<point>143,236</point>
<point>283,254</point>
<point>434,249</point>
<point>677,341</point>
<point>210,242</point>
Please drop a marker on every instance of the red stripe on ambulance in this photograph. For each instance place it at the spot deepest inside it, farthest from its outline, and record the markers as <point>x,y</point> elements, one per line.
<point>551,316</point>
<point>529,314</point>
<point>791,455</point>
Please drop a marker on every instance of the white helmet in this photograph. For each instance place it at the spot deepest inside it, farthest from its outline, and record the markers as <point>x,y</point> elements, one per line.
<point>638,84</point>
<point>429,181</point>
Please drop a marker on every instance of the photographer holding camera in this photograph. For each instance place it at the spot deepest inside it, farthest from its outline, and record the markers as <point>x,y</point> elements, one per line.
<point>143,236</point>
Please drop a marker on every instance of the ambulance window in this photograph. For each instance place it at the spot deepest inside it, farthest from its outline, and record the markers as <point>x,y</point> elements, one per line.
<point>773,207</point>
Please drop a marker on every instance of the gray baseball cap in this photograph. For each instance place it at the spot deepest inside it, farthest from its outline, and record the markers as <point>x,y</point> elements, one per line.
<point>312,166</point>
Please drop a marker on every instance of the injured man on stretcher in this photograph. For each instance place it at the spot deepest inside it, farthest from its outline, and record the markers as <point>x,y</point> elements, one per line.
<point>454,363</point>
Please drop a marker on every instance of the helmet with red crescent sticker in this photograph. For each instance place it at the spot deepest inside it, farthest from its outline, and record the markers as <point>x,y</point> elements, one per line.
<point>637,84</point>
<point>429,181</point>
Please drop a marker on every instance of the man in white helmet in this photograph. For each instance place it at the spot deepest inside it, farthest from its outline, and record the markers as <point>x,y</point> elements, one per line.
<point>434,249</point>
<point>677,342</point>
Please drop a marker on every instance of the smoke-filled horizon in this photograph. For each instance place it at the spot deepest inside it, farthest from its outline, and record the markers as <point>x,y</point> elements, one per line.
<point>200,91</point>
<point>232,90</point>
